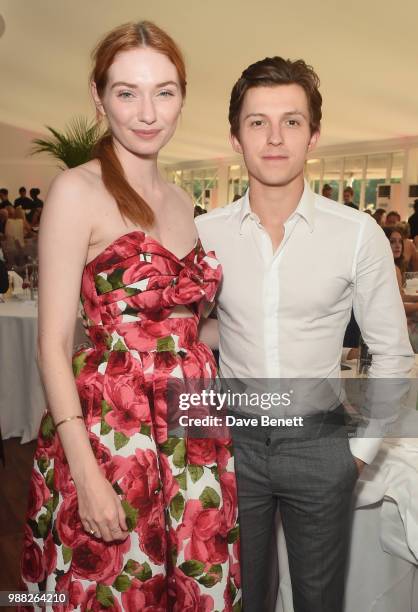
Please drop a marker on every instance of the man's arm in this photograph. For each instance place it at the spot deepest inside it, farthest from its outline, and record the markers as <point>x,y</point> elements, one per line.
<point>380,314</point>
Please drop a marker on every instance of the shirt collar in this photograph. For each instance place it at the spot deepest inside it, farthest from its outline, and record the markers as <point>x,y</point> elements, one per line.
<point>305,208</point>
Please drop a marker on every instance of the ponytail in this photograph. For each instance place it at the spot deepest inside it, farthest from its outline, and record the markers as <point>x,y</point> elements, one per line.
<point>131,205</point>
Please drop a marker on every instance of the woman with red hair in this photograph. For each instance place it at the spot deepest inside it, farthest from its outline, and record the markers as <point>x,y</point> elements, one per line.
<point>124,513</point>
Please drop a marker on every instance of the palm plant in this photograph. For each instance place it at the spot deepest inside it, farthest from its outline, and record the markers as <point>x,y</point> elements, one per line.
<point>73,146</point>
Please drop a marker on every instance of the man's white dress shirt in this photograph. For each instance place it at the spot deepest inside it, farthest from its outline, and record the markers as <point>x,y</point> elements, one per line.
<point>283,314</point>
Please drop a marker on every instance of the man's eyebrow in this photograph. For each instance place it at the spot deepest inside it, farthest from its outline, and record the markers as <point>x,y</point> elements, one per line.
<point>286,114</point>
<point>134,86</point>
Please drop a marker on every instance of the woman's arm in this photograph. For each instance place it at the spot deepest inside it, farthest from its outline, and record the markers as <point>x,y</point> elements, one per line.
<point>208,332</point>
<point>63,247</point>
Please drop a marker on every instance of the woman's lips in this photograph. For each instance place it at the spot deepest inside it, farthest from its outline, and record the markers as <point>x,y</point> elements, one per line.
<point>146,134</point>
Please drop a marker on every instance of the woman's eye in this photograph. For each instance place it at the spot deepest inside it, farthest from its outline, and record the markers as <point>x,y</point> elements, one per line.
<point>125,94</point>
<point>166,93</point>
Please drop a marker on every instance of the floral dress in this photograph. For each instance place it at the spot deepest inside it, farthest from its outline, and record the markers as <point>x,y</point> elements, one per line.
<point>178,493</point>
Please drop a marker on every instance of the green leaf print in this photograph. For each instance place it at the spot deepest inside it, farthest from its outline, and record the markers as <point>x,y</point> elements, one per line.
<point>49,479</point>
<point>35,530</point>
<point>213,576</point>
<point>196,472</point>
<point>166,344</point>
<point>104,595</point>
<point>169,445</point>
<point>130,291</point>
<point>115,278</point>
<point>174,555</point>
<point>120,346</point>
<point>215,472</point>
<point>55,501</point>
<point>44,523</point>
<point>208,581</point>
<point>43,464</point>
<point>233,535</point>
<point>79,361</point>
<point>122,583</point>
<point>67,554</point>
<point>142,571</point>
<point>131,515</point>
<point>145,430</point>
<point>102,285</point>
<point>232,590</point>
<point>47,428</point>
<point>209,498</point>
<point>182,480</point>
<point>215,569</point>
<point>55,535</point>
<point>192,568</point>
<point>120,440</point>
<point>179,454</point>
<point>177,506</point>
<point>105,428</point>
<point>145,572</point>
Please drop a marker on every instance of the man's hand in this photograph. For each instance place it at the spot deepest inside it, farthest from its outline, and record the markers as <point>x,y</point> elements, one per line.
<point>360,464</point>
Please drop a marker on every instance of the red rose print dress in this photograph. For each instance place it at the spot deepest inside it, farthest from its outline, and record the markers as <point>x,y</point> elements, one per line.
<point>179,493</point>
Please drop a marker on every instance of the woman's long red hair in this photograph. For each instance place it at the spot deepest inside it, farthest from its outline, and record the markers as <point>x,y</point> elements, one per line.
<point>124,38</point>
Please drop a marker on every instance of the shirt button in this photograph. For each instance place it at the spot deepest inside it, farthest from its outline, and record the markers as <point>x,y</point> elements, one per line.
<point>268,442</point>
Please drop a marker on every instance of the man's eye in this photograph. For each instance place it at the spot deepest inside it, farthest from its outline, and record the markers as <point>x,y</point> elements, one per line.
<point>257,122</point>
<point>293,122</point>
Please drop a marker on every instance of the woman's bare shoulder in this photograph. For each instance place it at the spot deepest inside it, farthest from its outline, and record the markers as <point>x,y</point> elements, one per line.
<point>181,195</point>
<point>82,177</point>
<point>75,187</point>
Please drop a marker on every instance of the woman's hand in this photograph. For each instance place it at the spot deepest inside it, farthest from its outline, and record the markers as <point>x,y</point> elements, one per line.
<point>100,508</point>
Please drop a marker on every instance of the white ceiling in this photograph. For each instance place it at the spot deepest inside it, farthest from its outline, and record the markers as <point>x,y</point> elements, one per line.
<point>366,54</point>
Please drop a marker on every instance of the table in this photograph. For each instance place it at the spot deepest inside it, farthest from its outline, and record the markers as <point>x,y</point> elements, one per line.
<point>22,399</point>
<point>382,573</point>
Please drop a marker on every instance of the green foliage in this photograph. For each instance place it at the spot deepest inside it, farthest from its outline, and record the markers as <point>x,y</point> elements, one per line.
<point>73,146</point>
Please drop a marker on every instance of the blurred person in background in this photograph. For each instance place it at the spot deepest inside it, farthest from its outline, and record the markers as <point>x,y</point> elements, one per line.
<point>392,218</point>
<point>34,215</point>
<point>4,199</point>
<point>379,216</point>
<point>348,195</point>
<point>410,254</point>
<point>413,221</point>
<point>327,191</point>
<point>410,302</point>
<point>23,200</point>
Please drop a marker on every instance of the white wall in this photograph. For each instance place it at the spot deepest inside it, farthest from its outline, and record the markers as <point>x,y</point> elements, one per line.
<point>17,167</point>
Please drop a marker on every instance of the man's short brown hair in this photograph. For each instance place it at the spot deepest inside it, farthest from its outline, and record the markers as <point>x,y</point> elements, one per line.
<point>277,71</point>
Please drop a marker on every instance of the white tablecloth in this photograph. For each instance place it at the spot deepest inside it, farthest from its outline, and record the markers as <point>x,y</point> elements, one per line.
<point>383,560</point>
<point>22,400</point>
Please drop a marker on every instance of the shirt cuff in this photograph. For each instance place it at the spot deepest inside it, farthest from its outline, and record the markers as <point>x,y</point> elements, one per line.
<point>365,449</point>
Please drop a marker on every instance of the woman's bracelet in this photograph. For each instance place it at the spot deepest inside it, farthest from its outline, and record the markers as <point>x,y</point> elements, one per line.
<point>71,418</point>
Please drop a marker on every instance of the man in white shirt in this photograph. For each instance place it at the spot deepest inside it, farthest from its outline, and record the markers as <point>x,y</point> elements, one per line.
<point>294,264</point>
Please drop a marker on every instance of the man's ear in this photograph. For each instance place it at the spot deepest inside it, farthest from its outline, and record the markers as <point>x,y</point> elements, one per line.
<point>100,111</point>
<point>314,139</point>
<point>235,143</point>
